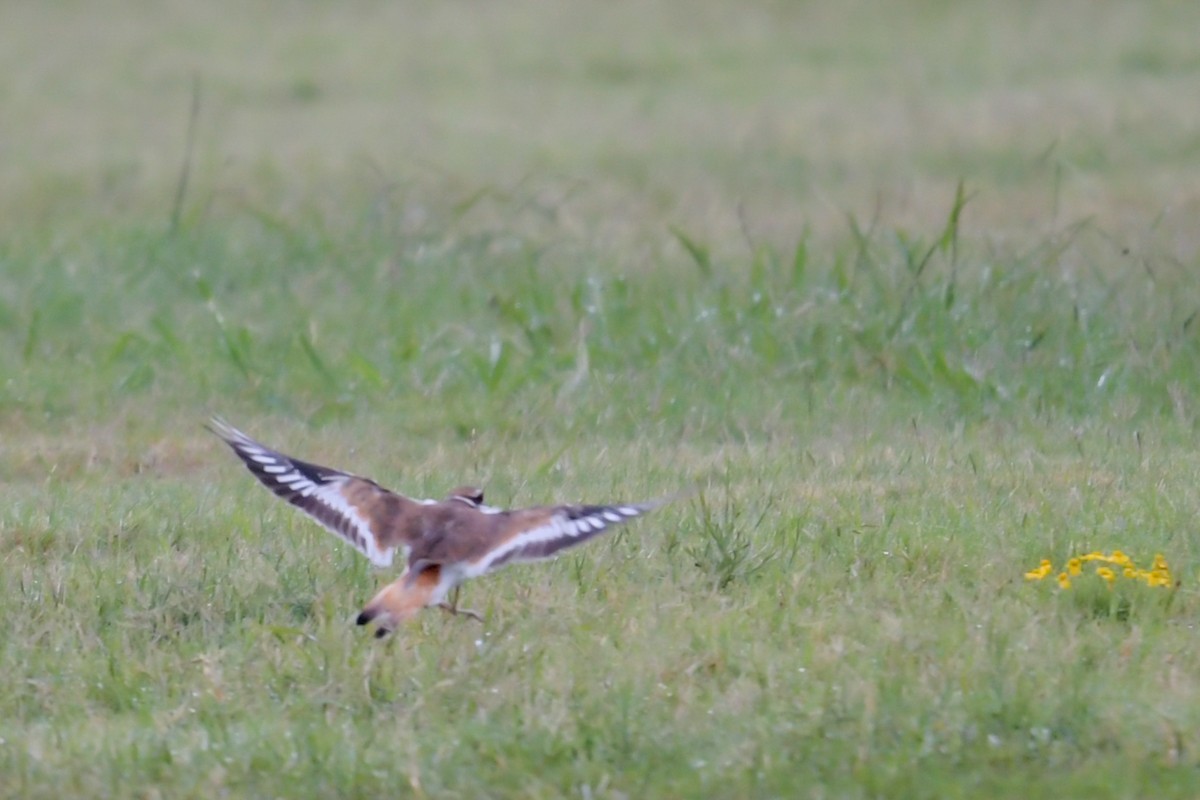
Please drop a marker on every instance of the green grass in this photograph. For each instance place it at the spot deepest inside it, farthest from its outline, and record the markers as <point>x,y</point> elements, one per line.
<point>908,297</point>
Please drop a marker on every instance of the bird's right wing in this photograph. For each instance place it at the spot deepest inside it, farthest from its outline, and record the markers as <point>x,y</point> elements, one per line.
<point>356,509</point>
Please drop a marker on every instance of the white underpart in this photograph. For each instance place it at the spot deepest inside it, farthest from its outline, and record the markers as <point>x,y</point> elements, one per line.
<point>447,580</point>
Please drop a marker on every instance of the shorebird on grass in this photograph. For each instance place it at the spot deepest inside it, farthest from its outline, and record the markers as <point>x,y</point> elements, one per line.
<point>443,542</point>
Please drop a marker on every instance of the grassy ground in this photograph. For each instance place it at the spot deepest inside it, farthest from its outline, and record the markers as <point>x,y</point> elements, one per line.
<point>909,296</point>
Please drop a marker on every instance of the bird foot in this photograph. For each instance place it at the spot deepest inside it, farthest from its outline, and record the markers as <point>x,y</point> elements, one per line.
<point>466,612</point>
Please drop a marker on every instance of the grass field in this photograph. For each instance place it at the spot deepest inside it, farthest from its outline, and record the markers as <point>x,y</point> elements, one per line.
<point>909,294</point>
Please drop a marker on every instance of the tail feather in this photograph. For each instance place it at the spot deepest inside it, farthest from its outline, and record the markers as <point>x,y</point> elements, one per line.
<point>400,600</point>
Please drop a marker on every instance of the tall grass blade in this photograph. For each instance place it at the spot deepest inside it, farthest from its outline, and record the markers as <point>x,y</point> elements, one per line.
<point>698,252</point>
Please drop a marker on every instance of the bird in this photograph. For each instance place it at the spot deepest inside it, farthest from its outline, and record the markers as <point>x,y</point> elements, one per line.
<point>443,542</point>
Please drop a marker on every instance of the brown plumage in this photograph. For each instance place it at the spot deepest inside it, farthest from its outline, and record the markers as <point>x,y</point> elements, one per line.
<point>443,542</point>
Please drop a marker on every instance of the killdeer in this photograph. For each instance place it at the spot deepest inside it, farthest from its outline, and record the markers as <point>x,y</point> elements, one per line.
<point>444,542</point>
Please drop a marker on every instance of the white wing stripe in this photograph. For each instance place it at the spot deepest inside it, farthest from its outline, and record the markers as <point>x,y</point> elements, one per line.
<point>327,494</point>
<point>331,497</point>
<point>556,528</point>
<point>552,530</point>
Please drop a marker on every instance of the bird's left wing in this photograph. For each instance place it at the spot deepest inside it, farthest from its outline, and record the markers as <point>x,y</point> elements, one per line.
<point>533,534</point>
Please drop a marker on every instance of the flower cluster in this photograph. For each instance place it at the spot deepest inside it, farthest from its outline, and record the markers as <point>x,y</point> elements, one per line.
<point>1159,574</point>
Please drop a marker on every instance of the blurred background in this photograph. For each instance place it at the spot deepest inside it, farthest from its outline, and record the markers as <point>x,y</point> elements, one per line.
<point>325,209</point>
<point>611,119</point>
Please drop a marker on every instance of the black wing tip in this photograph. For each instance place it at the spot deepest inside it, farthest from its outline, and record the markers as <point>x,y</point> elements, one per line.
<point>249,450</point>
<point>240,441</point>
<point>646,506</point>
<point>217,426</point>
<point>682,494</point>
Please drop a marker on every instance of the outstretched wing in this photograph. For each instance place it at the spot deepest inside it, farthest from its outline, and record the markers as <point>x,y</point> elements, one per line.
<point>358,510</point>
<point>534,534</point>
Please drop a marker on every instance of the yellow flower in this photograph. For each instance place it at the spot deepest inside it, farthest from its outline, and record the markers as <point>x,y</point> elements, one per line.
<point>1042,571</point>
<point>1158,575</point>
<point>1159,578</point>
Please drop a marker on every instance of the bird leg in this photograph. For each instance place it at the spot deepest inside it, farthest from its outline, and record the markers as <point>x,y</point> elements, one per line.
<point>452,607</point>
